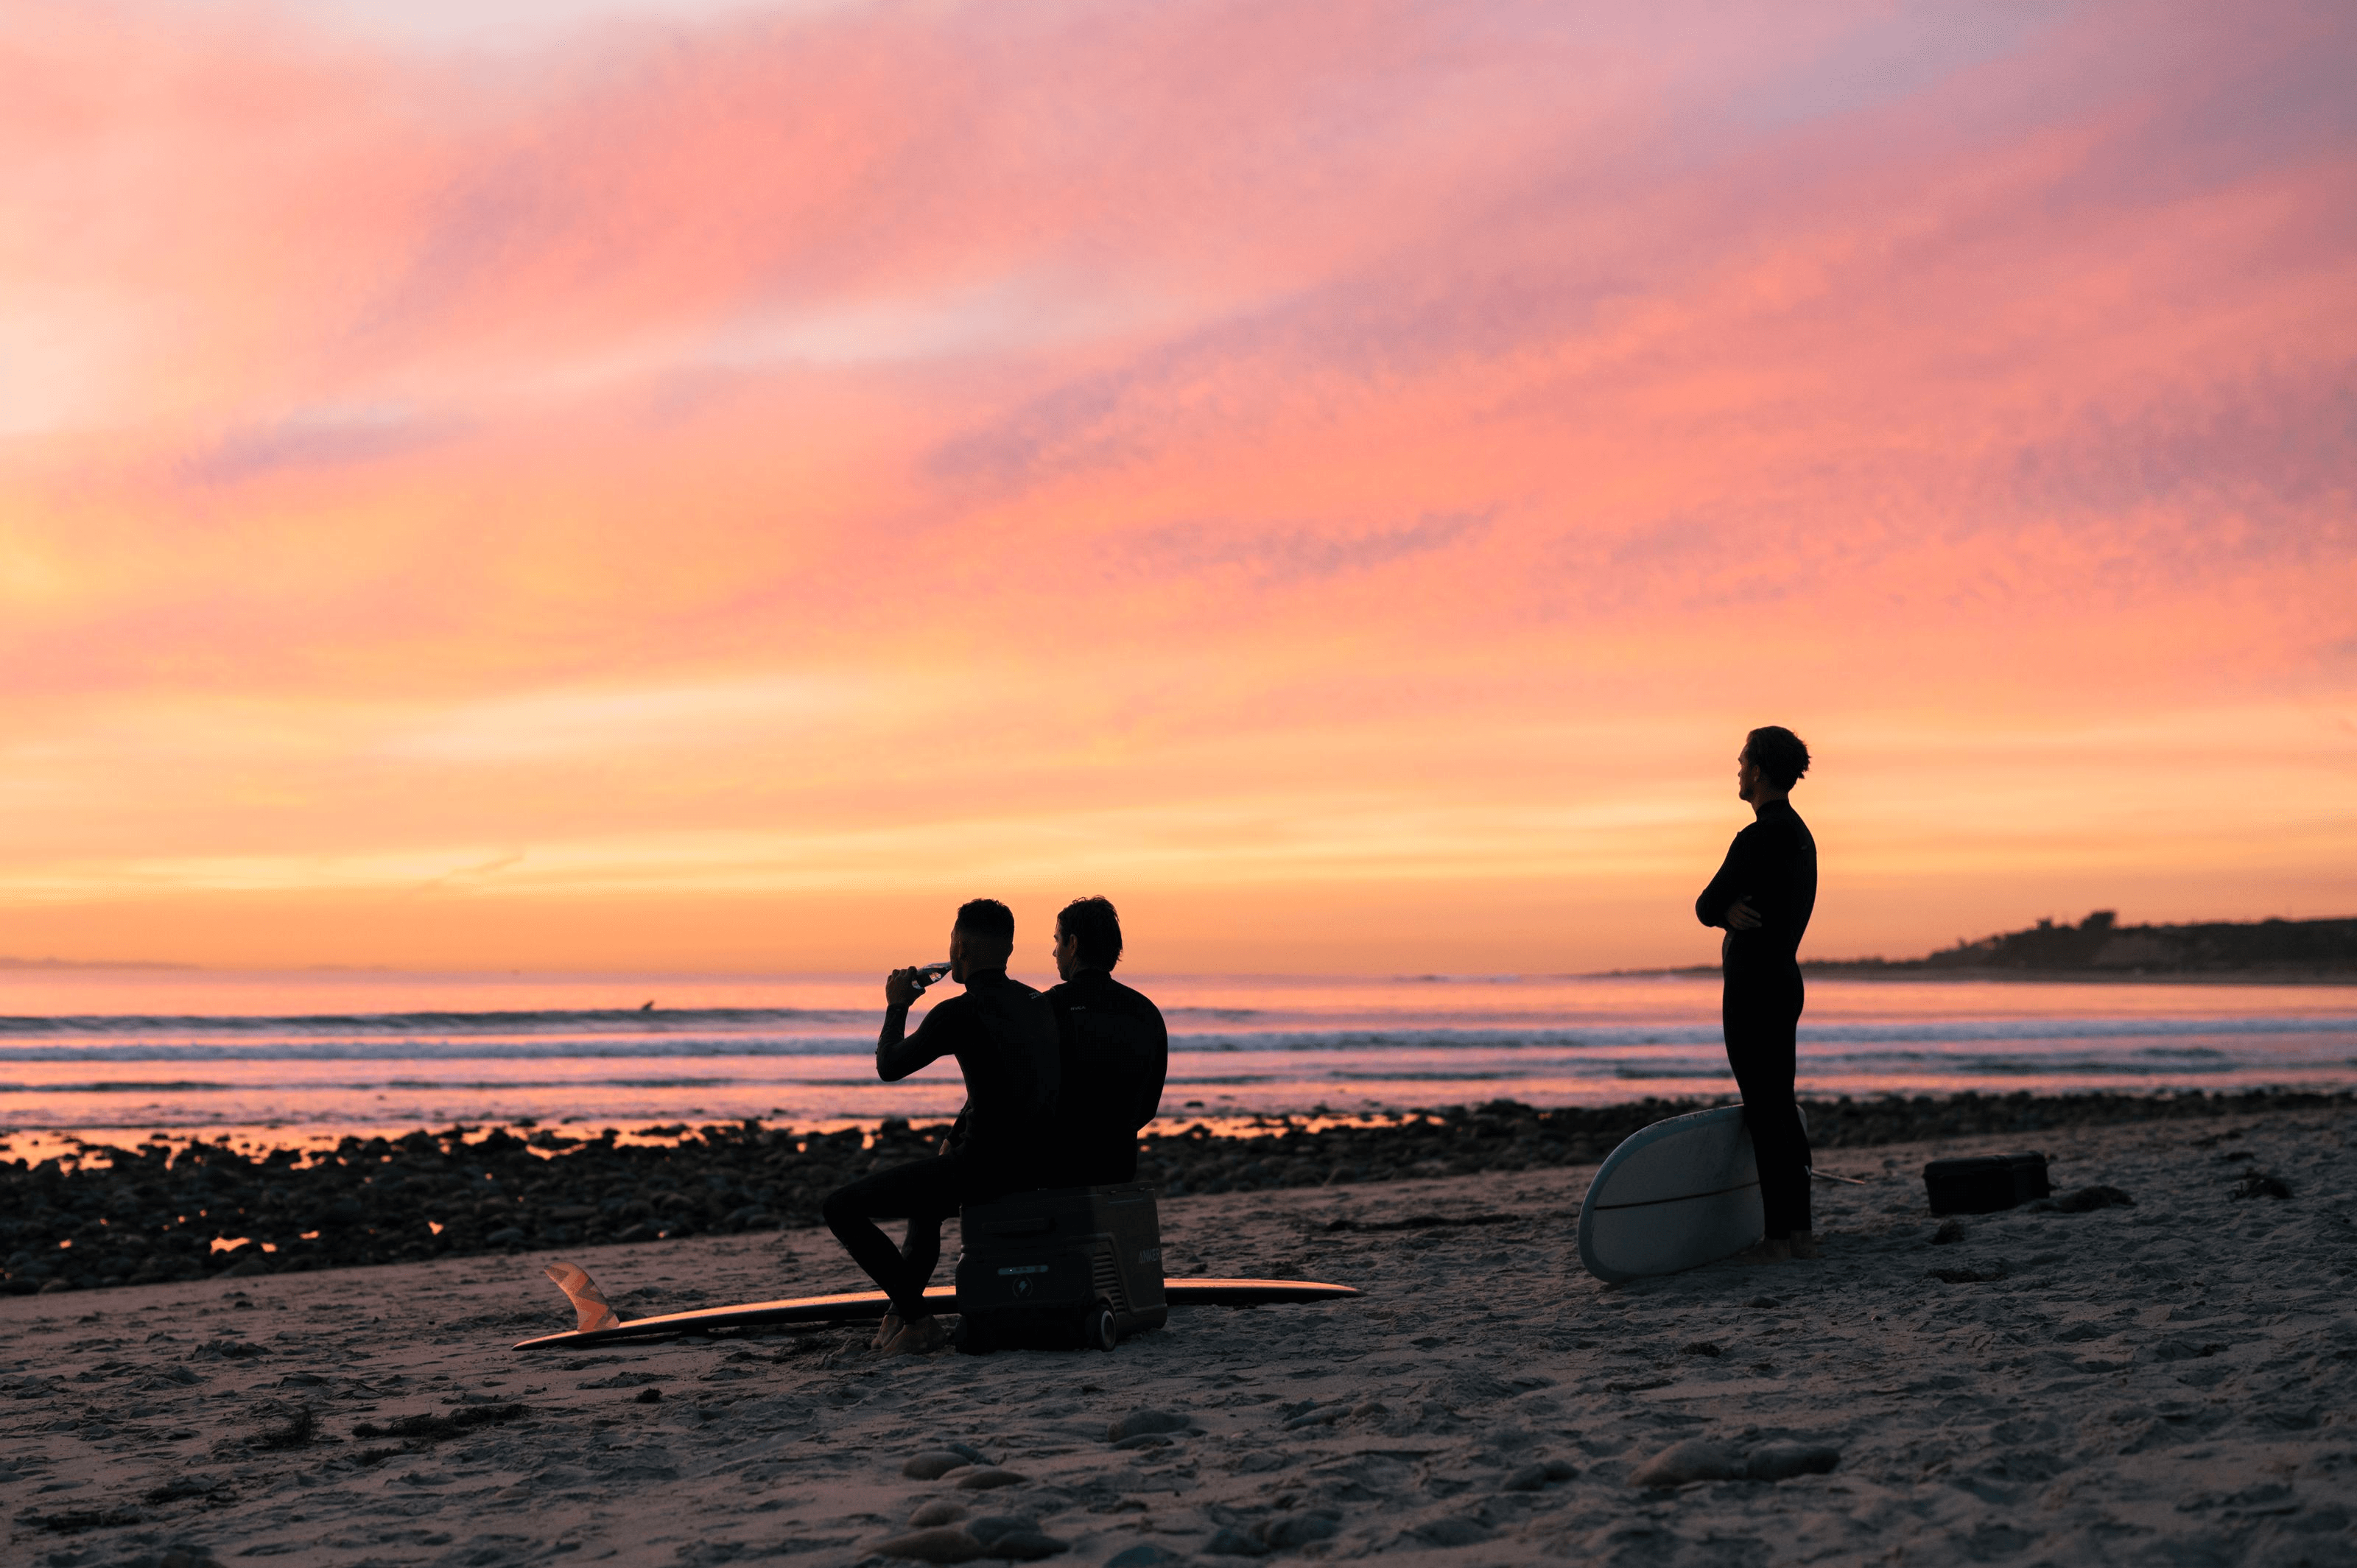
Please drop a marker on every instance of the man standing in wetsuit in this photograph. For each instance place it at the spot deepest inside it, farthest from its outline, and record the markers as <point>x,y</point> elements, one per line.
<point>1004,1037</point>
<point>1763,895</point>
<point>1116,1052</point>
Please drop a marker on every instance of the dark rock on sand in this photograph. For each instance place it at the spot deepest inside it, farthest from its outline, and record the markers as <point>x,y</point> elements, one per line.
<point>2087,1200</point>
<point>1145,1554</point>
<point>1534,1477</point>
<point>1695,1459</point>
<point>937,1512</point>
<point>933,1464</point>
<point>1457,1529</point>
<point>947,1545</point>
<point>1707,1459</point>
<point>2258,1184</point>
<point>1145,1423</point>
<point>1227,1543</point>
<point>1950,1232</point>
<point>1296,1530</point>
<point>1014,1539</point>
<point>1025,1546</point>
<point>989,1479</point>
<point>1782,1461</point>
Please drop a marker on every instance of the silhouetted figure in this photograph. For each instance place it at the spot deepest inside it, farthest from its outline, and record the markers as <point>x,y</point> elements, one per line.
<point>1763,895</point>
<point>1116,1052</point>
<point>1004,1036</point>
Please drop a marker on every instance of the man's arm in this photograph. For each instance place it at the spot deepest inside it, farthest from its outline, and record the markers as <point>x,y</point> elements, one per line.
<point>896,1057</point>
<point>1720,901</point>
<point>1157,1067</point>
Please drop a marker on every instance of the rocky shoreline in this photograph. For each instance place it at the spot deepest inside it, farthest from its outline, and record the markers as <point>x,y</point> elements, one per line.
<point>160,1213</point>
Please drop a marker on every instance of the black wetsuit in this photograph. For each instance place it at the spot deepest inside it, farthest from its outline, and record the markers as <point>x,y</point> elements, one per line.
<point>1004,1036</point>
<point>1116,1052</point>
<point>1771,866</point>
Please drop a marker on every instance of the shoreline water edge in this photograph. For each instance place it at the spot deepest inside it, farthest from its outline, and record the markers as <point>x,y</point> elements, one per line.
<point>161,1211</point>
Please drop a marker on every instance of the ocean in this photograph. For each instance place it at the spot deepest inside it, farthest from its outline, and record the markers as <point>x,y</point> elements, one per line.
<point>299,1060</point>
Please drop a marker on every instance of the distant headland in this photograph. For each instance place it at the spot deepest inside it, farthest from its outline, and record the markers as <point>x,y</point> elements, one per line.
<point>2100,948</point>
<point>6,963</point>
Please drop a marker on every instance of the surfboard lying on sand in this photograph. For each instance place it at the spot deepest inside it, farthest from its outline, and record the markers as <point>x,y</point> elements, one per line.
<point>1673,1196</point>
<point>600,1325</point>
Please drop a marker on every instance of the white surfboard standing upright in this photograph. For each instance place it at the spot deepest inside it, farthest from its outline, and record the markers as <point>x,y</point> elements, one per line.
<point>1673,1196</point>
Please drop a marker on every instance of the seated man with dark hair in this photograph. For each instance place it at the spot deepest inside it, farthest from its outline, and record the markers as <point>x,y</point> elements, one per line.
<point>1116,1048</point>
<point>1004,1037</point>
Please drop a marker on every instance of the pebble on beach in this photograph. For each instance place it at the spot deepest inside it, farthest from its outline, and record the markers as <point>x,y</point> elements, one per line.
<point>1228,1541</point>
<point>1145,1554</point>
<point>1707,1460</point>
<point>1535,1478</point>
<point>941,1545</point>
<point>1695,1459</point>
<point>1782,1461</point>
<point>2087,1200</point>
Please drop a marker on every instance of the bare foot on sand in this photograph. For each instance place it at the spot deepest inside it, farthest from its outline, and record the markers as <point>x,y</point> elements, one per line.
<point>1805,1244</point>
<point>887,1331</point>
<point>1770,1250</point>
<point>922,1337</point>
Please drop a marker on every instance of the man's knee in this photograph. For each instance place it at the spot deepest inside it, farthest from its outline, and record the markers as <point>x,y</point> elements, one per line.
<point>840,1208</point>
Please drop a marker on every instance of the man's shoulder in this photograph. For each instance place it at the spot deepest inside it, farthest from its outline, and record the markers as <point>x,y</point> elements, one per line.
<point>1011,997</point>
<point>1138,1000</point>
<point>1780,821</point>
<point>954,1005</point>
<point>1097,985</point>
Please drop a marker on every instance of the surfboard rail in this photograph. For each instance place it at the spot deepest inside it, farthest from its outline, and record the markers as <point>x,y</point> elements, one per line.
<point>868,1305</point>
<point>1735,1175</point>
<point>1704,1199</point>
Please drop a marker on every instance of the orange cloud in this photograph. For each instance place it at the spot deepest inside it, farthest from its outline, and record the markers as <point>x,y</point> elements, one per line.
<point>1344,489</point>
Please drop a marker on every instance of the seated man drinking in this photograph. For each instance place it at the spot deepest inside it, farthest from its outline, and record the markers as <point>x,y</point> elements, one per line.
<point>1116,1052</point>
<point>1004,1037</point>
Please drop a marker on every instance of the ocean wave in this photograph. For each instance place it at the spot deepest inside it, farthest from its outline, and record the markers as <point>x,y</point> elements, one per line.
<point>582,1020</point>
<point>555,1037</point>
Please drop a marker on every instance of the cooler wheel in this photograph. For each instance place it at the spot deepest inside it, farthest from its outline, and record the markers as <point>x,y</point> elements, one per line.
<point>1097,1330</point>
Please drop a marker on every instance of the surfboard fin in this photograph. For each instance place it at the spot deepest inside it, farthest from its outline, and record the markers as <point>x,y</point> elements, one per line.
<point>588,1302</point>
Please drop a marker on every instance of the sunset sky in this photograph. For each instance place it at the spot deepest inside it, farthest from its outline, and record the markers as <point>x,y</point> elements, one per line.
<point>711,483</point>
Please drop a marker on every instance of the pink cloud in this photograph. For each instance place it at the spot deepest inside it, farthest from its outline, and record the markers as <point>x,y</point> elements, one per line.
<point>1253,388</point>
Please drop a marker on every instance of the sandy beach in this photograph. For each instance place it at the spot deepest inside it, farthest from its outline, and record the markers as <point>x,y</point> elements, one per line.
<point>2166,1381</point>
